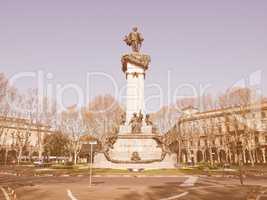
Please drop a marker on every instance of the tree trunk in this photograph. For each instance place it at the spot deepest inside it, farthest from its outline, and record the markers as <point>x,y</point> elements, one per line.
<point>179,152</point>
<point>211,157</point>
<point>227,160</point>
<point>6,154</point>
<point>240,164</point>
<point>75,158</point>
<point>19,155</point>
<point>70,157</point>
<point>251,158</point>
<point>40,153</point>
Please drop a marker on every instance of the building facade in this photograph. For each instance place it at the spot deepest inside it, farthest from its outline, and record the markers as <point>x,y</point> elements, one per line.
<point>230,135</point>
<point>20,137</point>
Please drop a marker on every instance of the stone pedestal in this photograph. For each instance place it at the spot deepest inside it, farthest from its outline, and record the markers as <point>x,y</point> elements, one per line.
<point>167,163</point>
<point>127,129</point>
<point>136,151</point>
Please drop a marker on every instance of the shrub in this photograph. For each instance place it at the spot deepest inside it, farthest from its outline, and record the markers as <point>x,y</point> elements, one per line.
<point>62,166</point>
<point>69,163</point>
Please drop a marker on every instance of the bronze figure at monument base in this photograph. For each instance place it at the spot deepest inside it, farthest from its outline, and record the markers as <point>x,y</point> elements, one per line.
<point>135,156</point>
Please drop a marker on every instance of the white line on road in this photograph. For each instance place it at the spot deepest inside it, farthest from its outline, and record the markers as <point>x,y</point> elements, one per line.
<point>190,181</point>
<point>261,195</point>
<point>5,193</point>
<point>71,195</point>
<point>176,196</point>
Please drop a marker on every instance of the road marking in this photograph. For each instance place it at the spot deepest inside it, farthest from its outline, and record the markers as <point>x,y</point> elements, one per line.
<point>5,193</point>
<point>190,181</point>
<point>261,195</point>
<point>71,195</point>
<point>176,196</point>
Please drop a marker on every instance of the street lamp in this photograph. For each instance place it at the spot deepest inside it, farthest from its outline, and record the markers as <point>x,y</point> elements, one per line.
<point>91,143</point>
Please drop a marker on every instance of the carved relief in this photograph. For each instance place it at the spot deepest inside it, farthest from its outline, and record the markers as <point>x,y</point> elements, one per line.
<point>135,156</point>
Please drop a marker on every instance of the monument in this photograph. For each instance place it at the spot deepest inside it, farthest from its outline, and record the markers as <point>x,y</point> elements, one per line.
<point>137,144</point>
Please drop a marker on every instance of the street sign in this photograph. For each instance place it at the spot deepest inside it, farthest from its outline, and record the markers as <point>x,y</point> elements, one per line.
<point>93,142</point>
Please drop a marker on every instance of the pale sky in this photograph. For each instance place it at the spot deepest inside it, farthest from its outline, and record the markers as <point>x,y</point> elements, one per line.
<point>205,43</point>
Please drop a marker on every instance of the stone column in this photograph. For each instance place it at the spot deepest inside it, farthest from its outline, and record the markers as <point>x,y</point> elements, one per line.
<point>203,156</point>
<point>244,156</point>
<point>236,158</point>
<point>255,156</point>
<point>183,157</point>
<point>227,155</point>
<point>135,91</point>
<point>264,155</point>
<point>195,157</point>
<point>217,156</point>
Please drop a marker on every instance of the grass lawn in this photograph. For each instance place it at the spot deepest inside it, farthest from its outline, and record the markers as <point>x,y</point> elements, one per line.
<point>83,169</point>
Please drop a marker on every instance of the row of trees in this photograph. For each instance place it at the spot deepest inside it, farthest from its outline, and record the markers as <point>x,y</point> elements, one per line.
<point>237,122</point>
<point>24,110</point>
<point>99,118</point>
<point>238,110</point>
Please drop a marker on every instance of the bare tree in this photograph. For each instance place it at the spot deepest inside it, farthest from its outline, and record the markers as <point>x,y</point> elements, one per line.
<point>56,144</point>
<point>238,123</point>
<point>6,96</point>
<point>72,125</point>
<point>102,116</point>
<point>41,112</point>
<point>22,137</point>
<point>12,105</point>
<point>165,118</point>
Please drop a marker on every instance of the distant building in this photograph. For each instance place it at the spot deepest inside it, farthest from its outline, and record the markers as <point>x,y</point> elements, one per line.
<point>219,136</point>
<point>17,135</point>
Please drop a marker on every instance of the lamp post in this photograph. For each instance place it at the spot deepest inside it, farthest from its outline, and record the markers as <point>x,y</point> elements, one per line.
<point>91,143</point>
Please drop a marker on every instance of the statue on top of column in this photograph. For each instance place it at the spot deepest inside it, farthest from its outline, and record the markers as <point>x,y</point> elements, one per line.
<point>134,39</point>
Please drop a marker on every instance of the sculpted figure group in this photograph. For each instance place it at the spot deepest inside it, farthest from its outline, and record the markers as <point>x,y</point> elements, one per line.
<point>137,121</point>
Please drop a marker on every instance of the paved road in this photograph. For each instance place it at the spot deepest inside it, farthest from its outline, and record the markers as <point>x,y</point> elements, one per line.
<point>127,188</point>
<point>2,195</point>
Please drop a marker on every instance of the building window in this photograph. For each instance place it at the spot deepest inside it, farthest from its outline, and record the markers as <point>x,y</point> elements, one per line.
<point>199,142</point>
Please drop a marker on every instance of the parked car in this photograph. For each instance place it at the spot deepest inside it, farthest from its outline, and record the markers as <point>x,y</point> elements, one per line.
<point>38,163</point>
<point>41,163</point>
